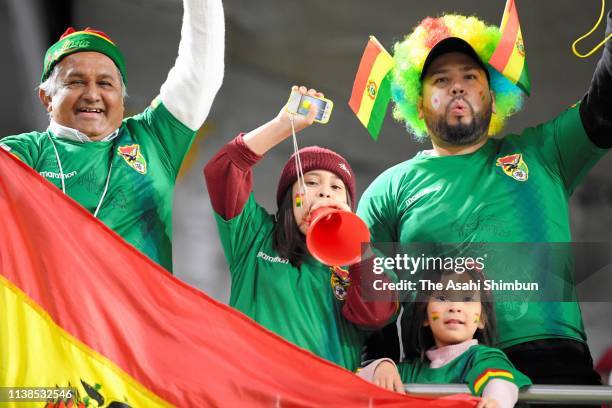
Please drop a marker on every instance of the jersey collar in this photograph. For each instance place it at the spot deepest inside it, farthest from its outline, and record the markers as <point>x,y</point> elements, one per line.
<point>64,132</point>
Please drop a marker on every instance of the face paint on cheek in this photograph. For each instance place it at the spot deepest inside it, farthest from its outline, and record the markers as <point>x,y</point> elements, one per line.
<point>299,200</point>
<point>434,315</point>
<point>482,96</point>
<point>477,318</point>
<point>435,101</point>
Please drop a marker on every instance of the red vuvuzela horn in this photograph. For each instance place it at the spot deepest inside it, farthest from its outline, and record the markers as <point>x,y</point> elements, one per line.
<point>334,236</point>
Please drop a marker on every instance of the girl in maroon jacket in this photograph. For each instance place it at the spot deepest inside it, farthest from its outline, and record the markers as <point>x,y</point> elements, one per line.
<point>275,280</point>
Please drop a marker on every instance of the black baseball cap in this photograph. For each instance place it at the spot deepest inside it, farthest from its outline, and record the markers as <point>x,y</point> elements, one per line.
<point>452,44</point>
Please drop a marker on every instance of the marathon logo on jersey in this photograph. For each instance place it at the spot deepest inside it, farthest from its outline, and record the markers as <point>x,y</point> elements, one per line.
<point>273,259</point>
<point>422,193</point>
<point>53,175</point>
<point>514,166</point>
<point>133,157</point>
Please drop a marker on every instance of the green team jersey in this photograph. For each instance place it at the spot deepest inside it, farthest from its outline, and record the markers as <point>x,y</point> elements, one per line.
<point>146,157</point>
<point>511,190</point>
<point>475,367</point>
<point>298,304</point>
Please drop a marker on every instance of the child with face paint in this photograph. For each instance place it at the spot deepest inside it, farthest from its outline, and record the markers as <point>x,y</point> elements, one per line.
<point>274,279</point>
<point>452,331</point>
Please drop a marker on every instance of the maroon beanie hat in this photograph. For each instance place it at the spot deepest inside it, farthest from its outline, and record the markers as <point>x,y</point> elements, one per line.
<point>316,158</point>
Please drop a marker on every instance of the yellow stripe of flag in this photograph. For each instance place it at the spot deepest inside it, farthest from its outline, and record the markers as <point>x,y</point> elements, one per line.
<point>45,355</point>
<point>514,69</point>
<point>380,68</point>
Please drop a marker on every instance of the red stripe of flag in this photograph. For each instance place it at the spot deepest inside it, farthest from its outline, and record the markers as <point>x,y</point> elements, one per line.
<point>363,73</point>
<point>506,45</point>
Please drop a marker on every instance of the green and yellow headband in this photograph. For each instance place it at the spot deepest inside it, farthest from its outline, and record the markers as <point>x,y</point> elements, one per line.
<point>79,41</point>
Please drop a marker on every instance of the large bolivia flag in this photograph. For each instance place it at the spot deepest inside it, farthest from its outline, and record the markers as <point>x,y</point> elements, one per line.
<point>372,87</point>
<point>81,307</point>
<point>509,56</point>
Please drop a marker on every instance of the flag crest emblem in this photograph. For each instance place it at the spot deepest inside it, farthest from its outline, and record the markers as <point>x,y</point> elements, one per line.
<point>372,89</point>
<point>509,56</point>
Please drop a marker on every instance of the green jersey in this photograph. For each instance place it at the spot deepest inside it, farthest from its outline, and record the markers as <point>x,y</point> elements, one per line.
<point>143,162</point>
<point>511,190</point>
<point>299,304</point>
<point>475,367</point>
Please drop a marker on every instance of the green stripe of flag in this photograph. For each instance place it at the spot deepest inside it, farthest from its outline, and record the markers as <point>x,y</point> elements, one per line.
<point>379,110</point>
<point>524,83</point>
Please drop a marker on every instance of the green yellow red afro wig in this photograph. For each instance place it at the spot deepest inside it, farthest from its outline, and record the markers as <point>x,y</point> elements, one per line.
<point>410,55</point>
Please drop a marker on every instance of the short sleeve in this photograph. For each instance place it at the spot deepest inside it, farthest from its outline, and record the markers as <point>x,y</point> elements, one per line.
<point>23,146</point>
<point>169,136</point>
<point>490,363</point>
<point>240,234</point>
<point>564,147</point>
<point>378,210</point>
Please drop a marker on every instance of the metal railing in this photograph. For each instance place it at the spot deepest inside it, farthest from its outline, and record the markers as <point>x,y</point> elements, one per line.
<point>541,394</point>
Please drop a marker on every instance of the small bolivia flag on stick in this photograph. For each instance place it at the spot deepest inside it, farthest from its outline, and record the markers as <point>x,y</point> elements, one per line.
<point>372,88</point>
<point>509,56</point>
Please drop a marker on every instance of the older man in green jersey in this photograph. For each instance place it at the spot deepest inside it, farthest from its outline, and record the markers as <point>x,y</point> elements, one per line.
<point>123,170</point>
<point>470,188</point>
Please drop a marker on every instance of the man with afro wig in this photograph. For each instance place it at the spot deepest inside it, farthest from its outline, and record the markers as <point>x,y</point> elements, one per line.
<point>471,188</point>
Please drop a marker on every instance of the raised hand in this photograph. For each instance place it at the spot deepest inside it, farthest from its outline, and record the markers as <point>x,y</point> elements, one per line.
<point>299,121</point>
<point>278,129</point>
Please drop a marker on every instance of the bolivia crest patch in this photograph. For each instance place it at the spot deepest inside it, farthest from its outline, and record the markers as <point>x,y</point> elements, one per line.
<point>514,166</point>
<point>133,157</point>
<point>340,282</point>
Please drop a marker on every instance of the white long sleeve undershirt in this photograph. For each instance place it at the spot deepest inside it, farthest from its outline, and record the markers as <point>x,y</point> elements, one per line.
<point>193,82</point>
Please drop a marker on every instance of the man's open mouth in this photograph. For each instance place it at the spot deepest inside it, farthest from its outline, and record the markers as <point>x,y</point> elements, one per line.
<point>90,110</point>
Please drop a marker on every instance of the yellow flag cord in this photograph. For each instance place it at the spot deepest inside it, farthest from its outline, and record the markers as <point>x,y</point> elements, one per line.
<point>598,46</point>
